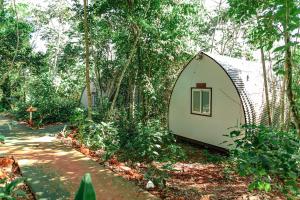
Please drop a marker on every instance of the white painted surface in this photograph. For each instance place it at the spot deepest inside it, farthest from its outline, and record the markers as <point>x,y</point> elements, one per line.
<point>227,110</point>
<point>84,99</point>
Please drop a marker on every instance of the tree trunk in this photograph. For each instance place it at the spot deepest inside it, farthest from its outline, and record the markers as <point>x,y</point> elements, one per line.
<point>282,103</point>
<point>289,72</point>
<point>6,90</point>
<point>132,95</point>
<point>215,30</point>
<point>263,61</point>
<point>57,51</point>
<point>289,84</point>
<point>1,5</point>
<point>131,54</point>
<point>87,66</point>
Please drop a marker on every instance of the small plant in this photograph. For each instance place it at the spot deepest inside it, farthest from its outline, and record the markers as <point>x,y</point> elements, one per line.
<point>2,139</point>
<point>86,190</point>
<point>213,157</point>
<point>100,136</point>
<point>270,156</point>
<point>157,176</point>
<point>153,142</point>
<point>9,191</point>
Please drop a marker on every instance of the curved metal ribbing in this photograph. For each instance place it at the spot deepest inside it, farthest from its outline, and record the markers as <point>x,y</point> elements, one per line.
<point>247,103</point>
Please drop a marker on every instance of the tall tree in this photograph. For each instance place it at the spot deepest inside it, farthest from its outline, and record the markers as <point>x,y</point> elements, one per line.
<point>87,62</point>
<point>277,21</point>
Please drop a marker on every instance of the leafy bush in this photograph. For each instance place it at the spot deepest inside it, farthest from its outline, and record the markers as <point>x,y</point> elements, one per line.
<point>153,142</point>
<point>9,191</point>
<point>100,136</point>
<point>56,110</point>
<point>51,106</point>
<point>78,117</point>
<point>147,142</point>
<point>271,157</point>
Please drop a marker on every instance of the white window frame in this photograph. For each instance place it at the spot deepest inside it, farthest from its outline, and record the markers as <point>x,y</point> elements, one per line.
<point>209,90</point>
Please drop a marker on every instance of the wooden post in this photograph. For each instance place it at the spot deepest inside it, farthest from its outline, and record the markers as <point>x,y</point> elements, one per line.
<point>31,110</point>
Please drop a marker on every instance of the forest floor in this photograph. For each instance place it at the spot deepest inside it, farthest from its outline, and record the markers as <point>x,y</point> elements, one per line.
<point>9,172</point>
<point>202,176</point>
<point>54,171</point>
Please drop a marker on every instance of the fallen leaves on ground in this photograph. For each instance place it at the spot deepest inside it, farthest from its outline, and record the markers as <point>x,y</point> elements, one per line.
<point>196,179</point>
<point>9,171</point>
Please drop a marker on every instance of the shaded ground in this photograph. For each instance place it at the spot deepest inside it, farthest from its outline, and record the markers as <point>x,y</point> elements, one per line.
<point>202,176</point>
<point>9,172</point>
<point>54,171</point>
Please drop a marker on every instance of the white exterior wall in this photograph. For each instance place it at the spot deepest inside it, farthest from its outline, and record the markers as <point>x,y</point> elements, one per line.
<point>227,110</point>
<point>84,100</point>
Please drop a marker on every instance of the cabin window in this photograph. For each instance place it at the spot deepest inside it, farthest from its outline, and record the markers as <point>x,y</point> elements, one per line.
<point>94,100</point>
<point>201,101</point>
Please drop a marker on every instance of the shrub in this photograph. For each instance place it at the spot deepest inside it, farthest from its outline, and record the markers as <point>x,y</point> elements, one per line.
<point>147,142</point>
<point>55,110</point>
<point>270,156</point>
<point>100,136</point>
<point>51,106</point>
<point>153,142</point>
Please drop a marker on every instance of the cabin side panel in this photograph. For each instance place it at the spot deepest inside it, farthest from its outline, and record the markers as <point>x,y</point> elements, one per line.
<point>227,110</point>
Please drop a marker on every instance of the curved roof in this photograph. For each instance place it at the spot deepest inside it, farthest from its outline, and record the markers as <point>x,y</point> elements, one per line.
<point>247,76</point>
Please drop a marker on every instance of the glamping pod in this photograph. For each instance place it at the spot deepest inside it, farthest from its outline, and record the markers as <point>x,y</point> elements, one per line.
<point>84,98</point>
<point>214,94</point>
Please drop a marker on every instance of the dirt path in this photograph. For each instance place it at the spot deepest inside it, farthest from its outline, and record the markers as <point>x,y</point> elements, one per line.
<point>54,171</point>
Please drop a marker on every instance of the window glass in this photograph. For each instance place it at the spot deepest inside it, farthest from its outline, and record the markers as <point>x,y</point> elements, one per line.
<point>205,102</point>
<point>196,101</point>
<point>201,101</point>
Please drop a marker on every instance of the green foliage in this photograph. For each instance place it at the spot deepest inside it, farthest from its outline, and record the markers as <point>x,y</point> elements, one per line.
<point>2,138</point>
<point>157,176</point>
<point>86,190</point>
<point>50,106</point>
<point>147,142</point>
<point>57,110</point>
<point>100,136</point>
<point>153,142</point>
<point>270,156</point>
<point>9,191</point>
<point>78,117</point>
<point>213,157</point>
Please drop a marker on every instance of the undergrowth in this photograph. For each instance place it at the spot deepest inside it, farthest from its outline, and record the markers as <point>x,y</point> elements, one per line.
<point>141,141</point>
<point>271,157</point>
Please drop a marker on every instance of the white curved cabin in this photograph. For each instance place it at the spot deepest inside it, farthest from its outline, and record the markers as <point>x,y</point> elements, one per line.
<point>214,94</point>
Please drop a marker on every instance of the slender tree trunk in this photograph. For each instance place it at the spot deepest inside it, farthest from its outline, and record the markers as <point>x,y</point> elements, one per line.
<point>1,5</point>
<point>54,69</point>
<point>214,33</point>
<point>289,84</point>
<point>282,103</point>
<point>263,61</point>
<point>289,73</point>
<point>87,66</point>
<point>131,54</point>
<point>6,90</point>
<point>132,95</point>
